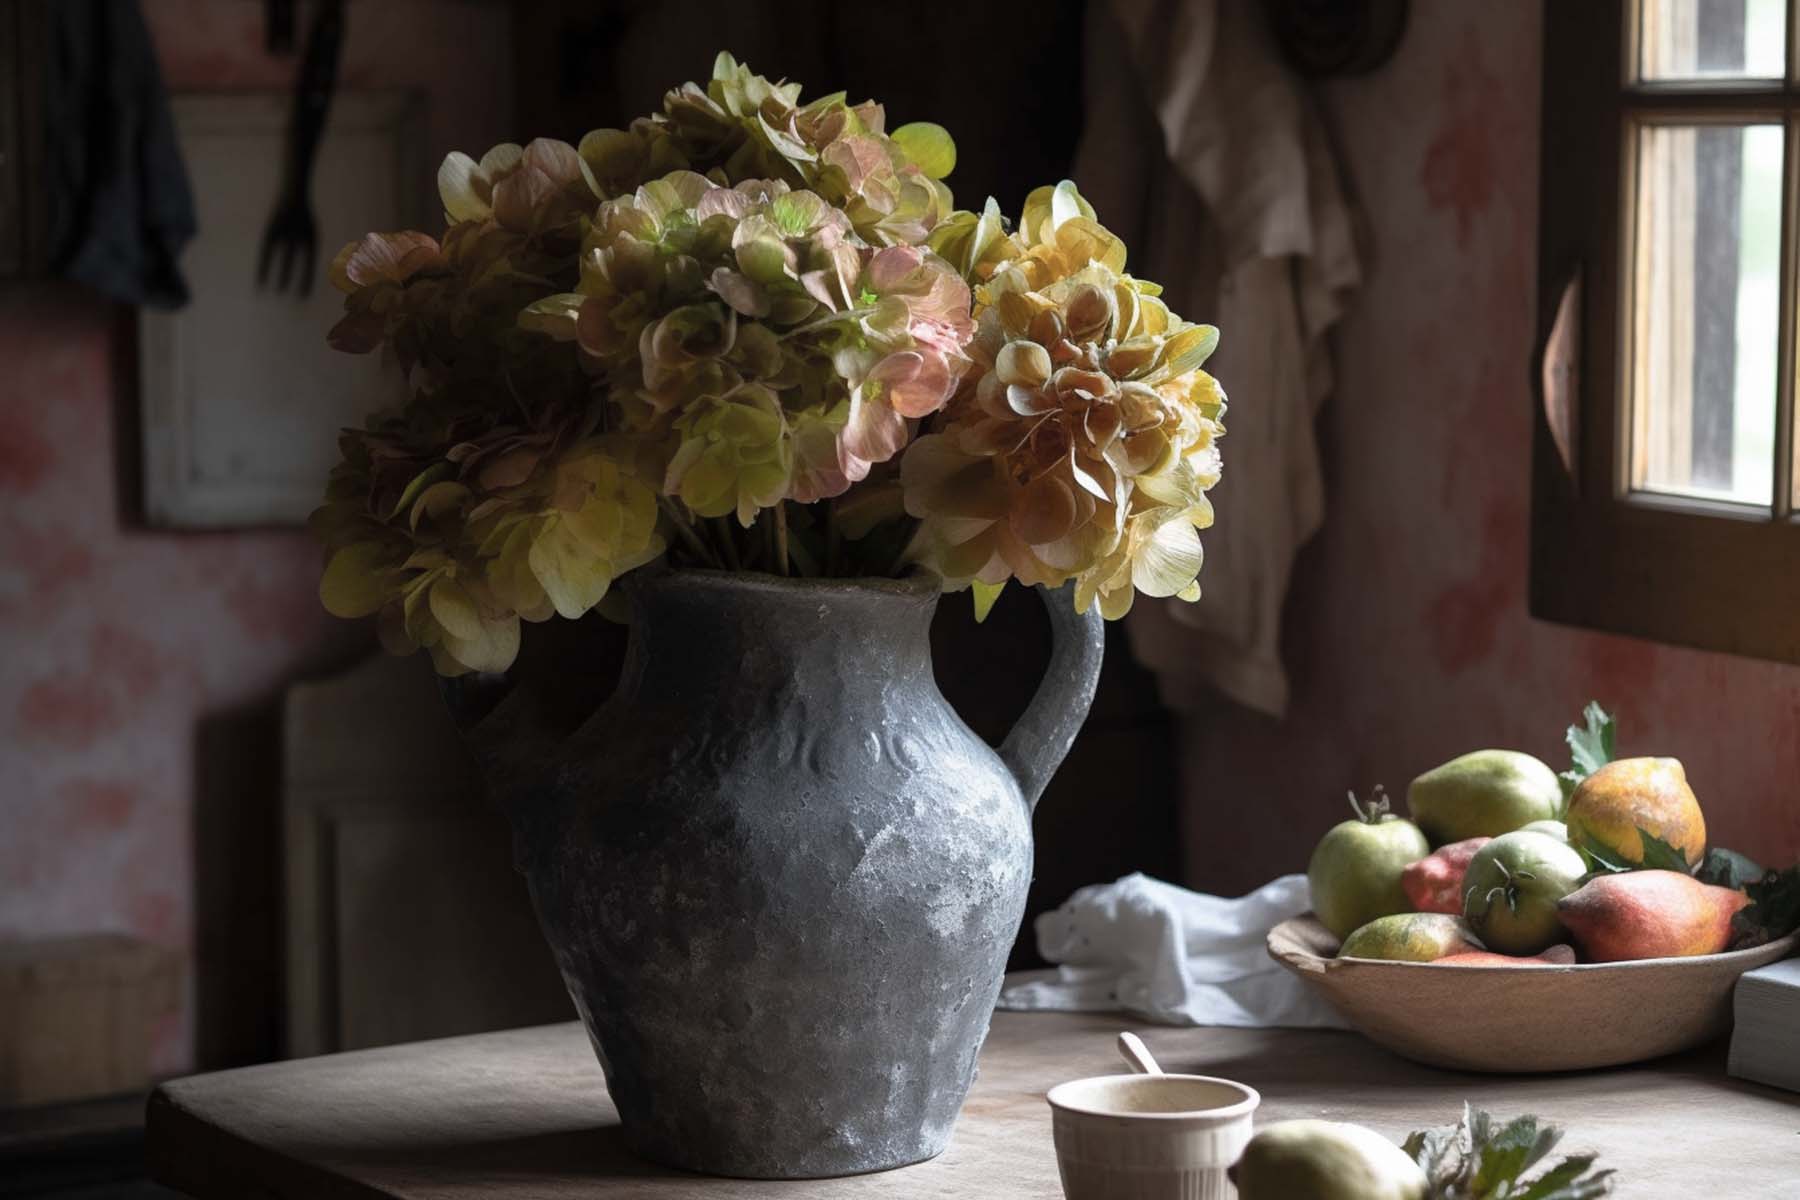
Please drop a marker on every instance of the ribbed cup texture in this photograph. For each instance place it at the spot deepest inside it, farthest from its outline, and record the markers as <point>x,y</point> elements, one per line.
<point>1104,1157</point>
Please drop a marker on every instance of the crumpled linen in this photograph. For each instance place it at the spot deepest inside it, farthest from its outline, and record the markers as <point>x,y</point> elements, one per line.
<point>1172,956</point>
<point>1203,152</point>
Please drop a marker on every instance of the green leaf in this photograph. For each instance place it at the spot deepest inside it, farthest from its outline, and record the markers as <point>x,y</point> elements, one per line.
<point>929,146</point>
<point>1728,868</point>
<point>1569,1180</point>
<point>1432,1148</point>
<point>1590,746</point>
<point>1515,1149</point>
<point>1658,855</point>
<point>1475,1160</point>
<point>1773,912</point>
<point>1602,860</point>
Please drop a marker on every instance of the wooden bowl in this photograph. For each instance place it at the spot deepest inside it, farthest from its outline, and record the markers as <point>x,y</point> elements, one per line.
<point>1512,1020</point>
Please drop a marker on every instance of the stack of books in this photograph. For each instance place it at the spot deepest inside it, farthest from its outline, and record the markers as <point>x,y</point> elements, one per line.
<point>1765,1042</point>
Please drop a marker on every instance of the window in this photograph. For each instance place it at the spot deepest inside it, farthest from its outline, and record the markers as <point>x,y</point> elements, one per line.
<point>1664,488</point>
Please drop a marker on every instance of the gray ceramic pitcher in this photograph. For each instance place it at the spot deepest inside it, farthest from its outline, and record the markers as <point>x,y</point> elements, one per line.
<point>780,875</point>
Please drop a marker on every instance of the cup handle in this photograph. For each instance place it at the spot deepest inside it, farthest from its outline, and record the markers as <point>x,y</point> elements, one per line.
<point>1134,1052</point>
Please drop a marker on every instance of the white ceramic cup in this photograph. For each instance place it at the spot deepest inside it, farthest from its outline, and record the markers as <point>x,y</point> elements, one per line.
<point>1150,1137</point>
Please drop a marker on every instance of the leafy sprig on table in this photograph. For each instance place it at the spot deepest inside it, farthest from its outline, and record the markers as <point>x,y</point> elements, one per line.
<point>1480,1159</point>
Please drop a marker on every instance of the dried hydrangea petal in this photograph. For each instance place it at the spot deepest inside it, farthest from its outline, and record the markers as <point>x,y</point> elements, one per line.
<point>1086,411</point>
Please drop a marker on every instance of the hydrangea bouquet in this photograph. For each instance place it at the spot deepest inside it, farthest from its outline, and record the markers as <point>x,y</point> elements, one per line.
<point>754,334</point>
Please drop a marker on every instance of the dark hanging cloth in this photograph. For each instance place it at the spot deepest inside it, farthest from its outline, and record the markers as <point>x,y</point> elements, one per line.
<point>119,209</point>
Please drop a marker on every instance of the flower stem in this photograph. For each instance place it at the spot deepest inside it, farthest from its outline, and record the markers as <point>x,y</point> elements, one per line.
<point>781,538</point>
<point>686,532</point>
<point>834,541</point>
<point>906,544</point>
<point>722,528</point>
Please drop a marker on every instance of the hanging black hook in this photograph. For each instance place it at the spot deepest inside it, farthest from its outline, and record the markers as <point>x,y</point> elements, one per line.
<point>292,234</point>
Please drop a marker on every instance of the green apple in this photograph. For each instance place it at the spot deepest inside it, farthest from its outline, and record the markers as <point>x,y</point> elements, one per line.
<point>1355,869</point>
<point>1512,888</point>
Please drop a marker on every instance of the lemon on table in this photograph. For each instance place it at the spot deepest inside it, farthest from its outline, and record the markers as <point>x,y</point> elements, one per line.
<point>1325,1160</point>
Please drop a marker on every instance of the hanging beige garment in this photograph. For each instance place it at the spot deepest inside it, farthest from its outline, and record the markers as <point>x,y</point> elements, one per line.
<point>1204,153</point>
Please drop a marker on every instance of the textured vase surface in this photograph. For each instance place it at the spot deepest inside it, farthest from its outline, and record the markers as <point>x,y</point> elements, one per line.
<point>780,875</point>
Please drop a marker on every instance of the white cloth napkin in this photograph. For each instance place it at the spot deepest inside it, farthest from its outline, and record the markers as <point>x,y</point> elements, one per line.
<point>1172,956</point>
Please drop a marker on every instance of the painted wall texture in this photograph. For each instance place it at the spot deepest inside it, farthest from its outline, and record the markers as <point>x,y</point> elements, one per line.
<point>121,648</point>
<point>1407,630</point>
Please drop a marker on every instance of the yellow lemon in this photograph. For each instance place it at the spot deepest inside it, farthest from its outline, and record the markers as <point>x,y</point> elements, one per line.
<point>1652,794</point>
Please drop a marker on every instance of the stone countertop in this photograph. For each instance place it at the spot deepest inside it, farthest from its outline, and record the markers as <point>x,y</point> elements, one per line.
<point>524,1113</point>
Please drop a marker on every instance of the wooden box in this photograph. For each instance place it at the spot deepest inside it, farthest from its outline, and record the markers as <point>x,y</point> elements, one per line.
<point>77,1015</point>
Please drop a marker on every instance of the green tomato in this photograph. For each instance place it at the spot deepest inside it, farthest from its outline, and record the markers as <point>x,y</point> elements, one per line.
<point>1512,887</point>
<point>1355,869</point>
<point>1553,828</point>
<point>1325,1160</point>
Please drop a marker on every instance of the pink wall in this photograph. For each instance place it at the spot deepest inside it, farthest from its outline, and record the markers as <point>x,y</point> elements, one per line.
<point>116,643</point>
<point>1408,634</point>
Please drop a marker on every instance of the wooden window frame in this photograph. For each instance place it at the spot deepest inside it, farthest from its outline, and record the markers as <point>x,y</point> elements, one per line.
<point>1688,571</point>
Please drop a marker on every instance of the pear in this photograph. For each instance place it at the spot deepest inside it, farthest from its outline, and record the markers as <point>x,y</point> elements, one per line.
<point>1434,884</point>
<point>1410,937</point>
<point>1483,794</point>
<point>1650,914</point>
<point>1325,1160</point>
<point>1559,955</point>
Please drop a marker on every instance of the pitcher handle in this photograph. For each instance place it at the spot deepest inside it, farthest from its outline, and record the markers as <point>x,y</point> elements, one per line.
<point>510,739</point>
<point>472,698</point>
<point>1037,744</point>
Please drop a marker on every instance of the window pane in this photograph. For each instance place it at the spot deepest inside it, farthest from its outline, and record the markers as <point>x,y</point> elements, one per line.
<point>1710,39</point>
<point>1707,290</point>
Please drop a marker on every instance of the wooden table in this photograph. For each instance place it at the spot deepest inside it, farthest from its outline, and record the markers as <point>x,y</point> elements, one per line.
<point>525,1114</point>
